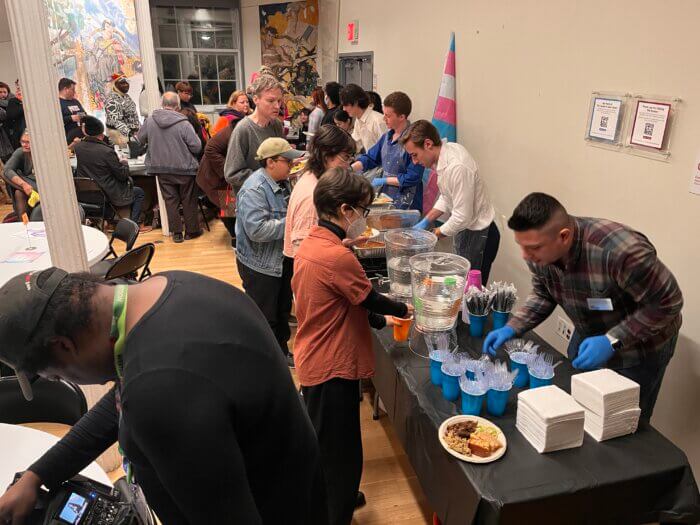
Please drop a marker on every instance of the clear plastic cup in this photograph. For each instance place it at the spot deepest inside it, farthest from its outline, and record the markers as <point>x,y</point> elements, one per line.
<point>437,281</point>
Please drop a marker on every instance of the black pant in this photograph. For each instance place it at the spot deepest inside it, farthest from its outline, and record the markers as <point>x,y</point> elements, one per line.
<point>335,415</point>
<point>648,374</point>
<point>177,190</point>
<point>479,248</point>
<point>273,295</point>
<point>230,224</point>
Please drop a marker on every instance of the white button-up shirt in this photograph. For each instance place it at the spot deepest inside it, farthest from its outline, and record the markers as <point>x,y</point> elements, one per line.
<point>369,128</point>
<point>462,192</point>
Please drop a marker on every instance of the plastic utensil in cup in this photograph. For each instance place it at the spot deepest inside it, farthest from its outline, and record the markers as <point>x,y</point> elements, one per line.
<point>496,401</point>
<point>477,323</point>
<point>523,377</point>
<point>402,327</point>
<point>451,373</point>
<point>436,359</point>
<point>540,381</point>
<point>500,319</point>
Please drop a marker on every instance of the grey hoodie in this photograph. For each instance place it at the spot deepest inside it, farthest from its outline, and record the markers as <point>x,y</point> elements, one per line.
<point>172,143</point>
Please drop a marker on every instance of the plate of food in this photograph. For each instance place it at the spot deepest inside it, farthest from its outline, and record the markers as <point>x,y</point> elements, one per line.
<point>298,167</point>
<point>382,199</point>
<point>370,233</point>
<point>472,438</point>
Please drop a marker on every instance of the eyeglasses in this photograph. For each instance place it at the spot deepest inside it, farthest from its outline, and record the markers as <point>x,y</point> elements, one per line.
<point>344,157</point>
<point>365,211</point>
<point>284,159</point>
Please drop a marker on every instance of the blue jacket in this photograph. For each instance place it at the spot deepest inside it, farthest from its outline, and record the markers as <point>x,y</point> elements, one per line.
<point>261,213</point>
<point>393,159</point>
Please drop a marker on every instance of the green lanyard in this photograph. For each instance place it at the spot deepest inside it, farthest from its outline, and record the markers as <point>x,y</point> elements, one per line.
<point>118,330</point>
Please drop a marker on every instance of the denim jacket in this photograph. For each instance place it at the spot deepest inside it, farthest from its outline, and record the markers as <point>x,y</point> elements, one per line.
<point>261,215</point>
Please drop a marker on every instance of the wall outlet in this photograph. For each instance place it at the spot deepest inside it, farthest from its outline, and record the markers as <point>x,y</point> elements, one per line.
<point>564,329</point>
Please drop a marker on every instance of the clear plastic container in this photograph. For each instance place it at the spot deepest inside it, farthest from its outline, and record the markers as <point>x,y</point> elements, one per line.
<point>437,281</point>
<point>401,245</point>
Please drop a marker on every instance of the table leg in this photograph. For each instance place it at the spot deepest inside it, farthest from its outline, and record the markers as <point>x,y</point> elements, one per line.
<point>164,226</point>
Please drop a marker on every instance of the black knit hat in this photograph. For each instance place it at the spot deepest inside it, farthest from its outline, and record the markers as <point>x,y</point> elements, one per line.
<point>93,126</point>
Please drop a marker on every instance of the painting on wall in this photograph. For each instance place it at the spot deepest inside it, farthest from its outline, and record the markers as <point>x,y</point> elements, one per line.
<point>90,41</point>
<point>289,46</point>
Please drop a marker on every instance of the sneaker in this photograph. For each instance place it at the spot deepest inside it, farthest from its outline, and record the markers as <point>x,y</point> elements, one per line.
<point>293,320</point>
<point>361,500</point>
<point>190,236</point>
<point>177,237</point>
<point>290,360</point>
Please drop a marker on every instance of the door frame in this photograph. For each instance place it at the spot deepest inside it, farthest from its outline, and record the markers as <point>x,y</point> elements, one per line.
<point>356,55</point>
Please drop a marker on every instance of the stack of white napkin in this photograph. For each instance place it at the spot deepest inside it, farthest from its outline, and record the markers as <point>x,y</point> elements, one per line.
<point>611,402</point>
<point>550,419</point>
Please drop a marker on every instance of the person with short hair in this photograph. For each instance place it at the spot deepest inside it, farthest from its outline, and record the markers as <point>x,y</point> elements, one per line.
<point>6,148</point>
<point>185,92</point>
<point>332,101</point>
<point>98,161</point>
<point>203,407</point>
<point>402,179</point>
<point>376,101</point>
<point>263,123</point>
<point>336,306</point>
<point>624,302</point>
<point>368,125</point>
<point>331,147</point>
<point>122,119</point>
<point>15,120</point>
<point>237,108</point>
<point>463,196</point>
<point>71,108</point>
<point>260,223</point>
<point>172,149</point>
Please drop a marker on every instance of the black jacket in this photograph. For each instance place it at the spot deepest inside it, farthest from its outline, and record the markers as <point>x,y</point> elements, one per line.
<point>15,122</point>
<point>99,162</point>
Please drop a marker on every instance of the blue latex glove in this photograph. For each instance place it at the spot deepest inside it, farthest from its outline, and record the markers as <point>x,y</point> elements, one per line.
<point>593,353</point>
<point>378,182</point>
<point>495,339</point>
<point>423,224</point>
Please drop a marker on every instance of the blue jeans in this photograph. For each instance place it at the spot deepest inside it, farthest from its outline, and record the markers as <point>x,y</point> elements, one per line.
<point>139,195</point>
<point>479,248</point>
<point>648,374</point>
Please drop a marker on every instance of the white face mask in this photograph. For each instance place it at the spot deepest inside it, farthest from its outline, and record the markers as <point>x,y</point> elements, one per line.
<point>357,227</point>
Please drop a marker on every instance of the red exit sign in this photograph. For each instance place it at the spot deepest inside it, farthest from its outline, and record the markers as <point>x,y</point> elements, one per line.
<point>353,31</point>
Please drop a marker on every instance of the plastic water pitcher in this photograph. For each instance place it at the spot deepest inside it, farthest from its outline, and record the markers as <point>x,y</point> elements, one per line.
<point>401,245</point>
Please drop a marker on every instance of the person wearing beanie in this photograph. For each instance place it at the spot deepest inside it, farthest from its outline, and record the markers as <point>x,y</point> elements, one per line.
<point>122,118</point>
<point>98,161</point>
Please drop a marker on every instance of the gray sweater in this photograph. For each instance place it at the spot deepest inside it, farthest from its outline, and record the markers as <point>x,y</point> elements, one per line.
<point>244,143</point>
<point>172,143</point>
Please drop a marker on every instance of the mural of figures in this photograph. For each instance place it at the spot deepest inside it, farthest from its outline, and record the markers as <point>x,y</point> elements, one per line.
<point>289,37</point>
<point>90,41</point>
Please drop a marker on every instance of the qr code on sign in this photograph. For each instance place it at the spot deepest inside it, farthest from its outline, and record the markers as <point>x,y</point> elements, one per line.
<point>603,123</point>
<point>649,128</point>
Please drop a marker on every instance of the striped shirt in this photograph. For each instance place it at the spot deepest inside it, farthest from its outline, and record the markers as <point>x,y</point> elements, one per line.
<point>608,261</point>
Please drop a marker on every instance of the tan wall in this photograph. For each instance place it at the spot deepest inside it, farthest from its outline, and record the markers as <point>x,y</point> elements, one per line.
<point>525,72</point>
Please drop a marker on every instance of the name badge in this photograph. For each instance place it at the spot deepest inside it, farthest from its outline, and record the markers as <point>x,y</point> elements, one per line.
<point>600,304</point>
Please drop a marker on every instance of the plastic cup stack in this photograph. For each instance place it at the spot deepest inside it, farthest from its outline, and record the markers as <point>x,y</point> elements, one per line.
<point>541,370</point>
<point>521,353</point>
<point>473,393</point>
<point>452,369</point>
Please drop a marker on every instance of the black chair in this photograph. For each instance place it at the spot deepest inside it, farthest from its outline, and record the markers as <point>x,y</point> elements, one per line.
<point>38,216</point>
<point>129,264</point>
<point>126,231</point>
<point>54,402</point>
<point>200,203</point>
<point>92,199</point>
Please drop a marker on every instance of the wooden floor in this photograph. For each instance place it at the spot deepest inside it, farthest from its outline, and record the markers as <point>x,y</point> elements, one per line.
<point>393,492</point>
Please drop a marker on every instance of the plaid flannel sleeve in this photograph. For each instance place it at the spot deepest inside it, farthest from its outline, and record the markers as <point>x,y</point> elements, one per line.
<point>650,283</point>
<point>538,306</point>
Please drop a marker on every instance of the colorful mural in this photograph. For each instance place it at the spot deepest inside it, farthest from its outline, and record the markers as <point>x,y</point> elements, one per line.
<point>289,44</point>
<point>90,41</point>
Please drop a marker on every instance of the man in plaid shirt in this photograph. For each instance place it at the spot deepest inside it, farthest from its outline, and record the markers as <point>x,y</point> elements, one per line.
<point>624,303</point>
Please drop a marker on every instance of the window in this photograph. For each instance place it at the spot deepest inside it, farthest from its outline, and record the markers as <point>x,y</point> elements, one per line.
<point>200,46</point>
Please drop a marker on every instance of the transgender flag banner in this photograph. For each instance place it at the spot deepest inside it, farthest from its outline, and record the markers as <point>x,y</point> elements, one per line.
<point>445,120</point>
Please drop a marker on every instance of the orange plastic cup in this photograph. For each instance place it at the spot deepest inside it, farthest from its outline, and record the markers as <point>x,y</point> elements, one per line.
<point>402,327</point>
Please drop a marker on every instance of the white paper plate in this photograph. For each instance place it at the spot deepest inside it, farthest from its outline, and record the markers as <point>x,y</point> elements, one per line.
<point>472,459</point>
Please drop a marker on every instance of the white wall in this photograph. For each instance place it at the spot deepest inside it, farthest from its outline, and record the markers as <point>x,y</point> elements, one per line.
<point>8,67</point>
<point>525,72</point>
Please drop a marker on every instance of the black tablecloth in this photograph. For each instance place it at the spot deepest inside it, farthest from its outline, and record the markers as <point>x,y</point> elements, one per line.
<point>639,478</point>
